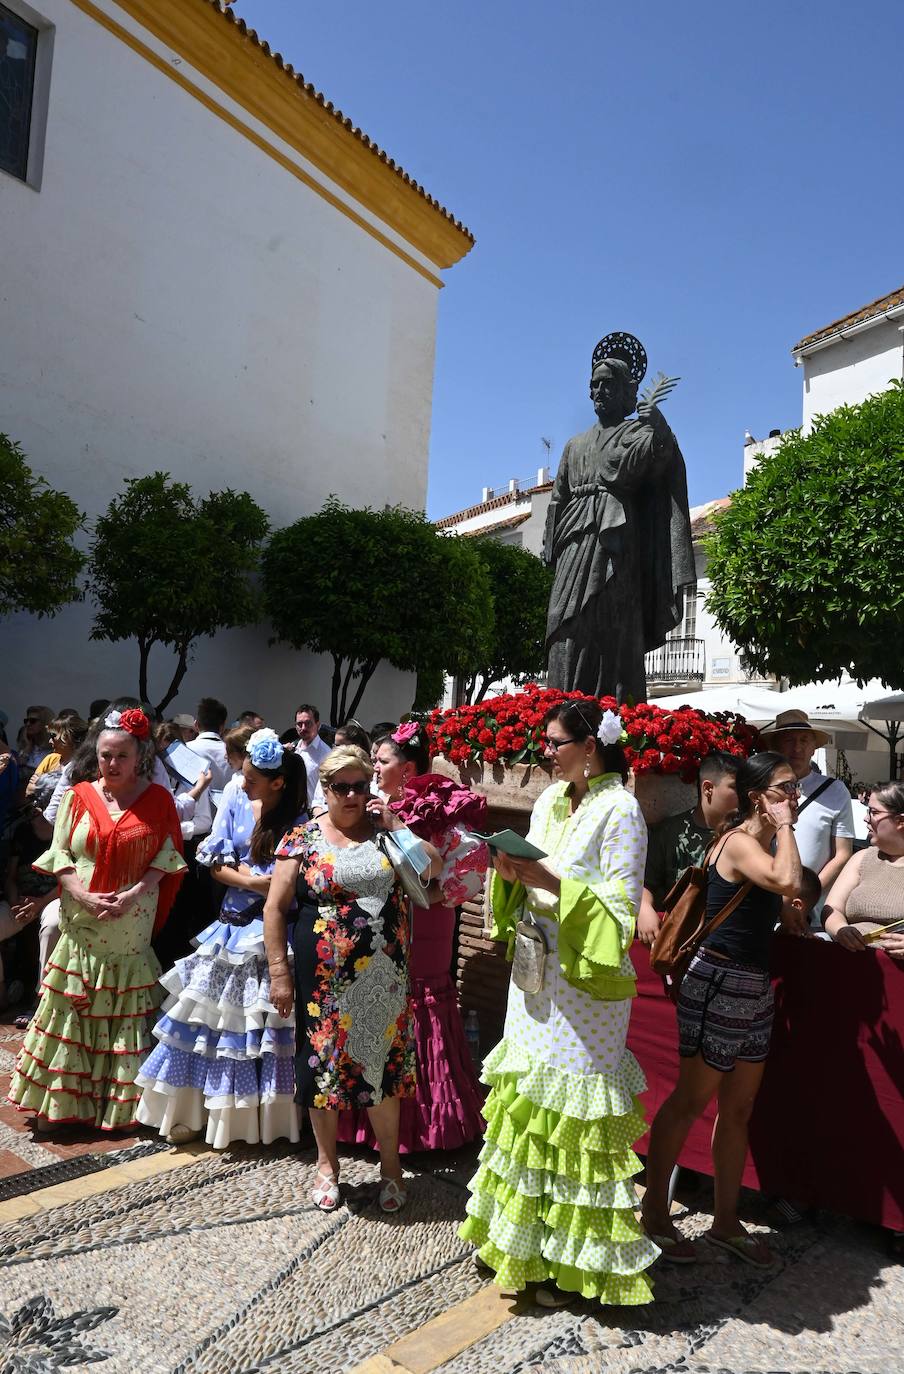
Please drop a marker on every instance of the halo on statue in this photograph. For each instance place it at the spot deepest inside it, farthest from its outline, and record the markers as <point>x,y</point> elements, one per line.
<point>625,347</point>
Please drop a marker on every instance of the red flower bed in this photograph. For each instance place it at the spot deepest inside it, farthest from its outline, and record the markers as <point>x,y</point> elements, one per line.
<point>509,729</point>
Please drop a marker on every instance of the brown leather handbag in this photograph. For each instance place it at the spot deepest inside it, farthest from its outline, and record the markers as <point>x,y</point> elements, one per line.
<point>685,926</point>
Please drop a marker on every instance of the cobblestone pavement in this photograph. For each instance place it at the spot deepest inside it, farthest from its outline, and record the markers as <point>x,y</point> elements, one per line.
<point>223,1266</point>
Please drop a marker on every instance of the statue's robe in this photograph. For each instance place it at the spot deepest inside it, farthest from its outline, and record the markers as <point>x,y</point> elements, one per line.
<point>618,538</point>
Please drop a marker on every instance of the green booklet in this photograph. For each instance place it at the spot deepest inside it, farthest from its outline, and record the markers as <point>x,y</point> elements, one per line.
<point>508,842</point>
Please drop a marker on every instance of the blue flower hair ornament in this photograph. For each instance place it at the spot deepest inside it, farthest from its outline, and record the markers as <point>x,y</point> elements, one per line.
<point>265,749</point>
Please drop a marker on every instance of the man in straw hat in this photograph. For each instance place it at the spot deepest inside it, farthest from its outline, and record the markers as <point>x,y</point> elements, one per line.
<point>825,820</point>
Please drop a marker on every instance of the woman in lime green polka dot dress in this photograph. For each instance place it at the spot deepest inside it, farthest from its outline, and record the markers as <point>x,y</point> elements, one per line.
<point>552,1202</point>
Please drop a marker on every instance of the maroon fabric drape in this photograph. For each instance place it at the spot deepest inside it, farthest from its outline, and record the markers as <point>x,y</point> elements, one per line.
<point>828,1125</point>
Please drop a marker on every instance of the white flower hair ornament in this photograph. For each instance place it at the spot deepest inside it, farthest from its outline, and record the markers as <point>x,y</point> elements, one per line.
<point>611,730</point>
<point>112,721</point>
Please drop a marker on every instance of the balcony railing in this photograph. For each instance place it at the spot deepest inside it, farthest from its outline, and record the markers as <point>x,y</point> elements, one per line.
<point>678,660</point>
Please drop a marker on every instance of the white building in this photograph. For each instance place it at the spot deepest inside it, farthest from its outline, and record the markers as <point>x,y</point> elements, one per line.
<point>208,271</point>
<point>852,358</point>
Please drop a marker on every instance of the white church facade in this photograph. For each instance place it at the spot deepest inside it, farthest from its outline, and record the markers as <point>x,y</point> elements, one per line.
<point>211,272</point>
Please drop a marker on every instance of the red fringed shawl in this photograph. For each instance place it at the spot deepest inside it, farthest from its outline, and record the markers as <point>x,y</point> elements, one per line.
<point>123,849</point>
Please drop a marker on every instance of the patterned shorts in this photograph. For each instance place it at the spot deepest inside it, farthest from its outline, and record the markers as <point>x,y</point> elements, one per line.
<point>725,1012</point>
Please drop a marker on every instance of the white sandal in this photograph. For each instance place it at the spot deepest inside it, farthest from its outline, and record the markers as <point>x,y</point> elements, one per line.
<point>325,1195</point>
<point>181,1135</point>
<point>392,1196</point>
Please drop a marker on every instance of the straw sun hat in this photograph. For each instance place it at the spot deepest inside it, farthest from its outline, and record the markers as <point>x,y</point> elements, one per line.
<point>794,720</point>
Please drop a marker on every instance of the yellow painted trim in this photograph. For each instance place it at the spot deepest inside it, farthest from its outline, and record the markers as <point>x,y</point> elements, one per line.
<point>175,75</point>
<point>90,1185</point>
<point>245,70</point>
<point>445,1336</point>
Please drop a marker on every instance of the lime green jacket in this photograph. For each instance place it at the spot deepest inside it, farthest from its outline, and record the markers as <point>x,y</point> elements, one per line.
<point>598,853</point>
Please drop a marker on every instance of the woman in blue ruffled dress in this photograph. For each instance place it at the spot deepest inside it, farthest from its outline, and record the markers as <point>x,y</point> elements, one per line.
<point>224,1065</point>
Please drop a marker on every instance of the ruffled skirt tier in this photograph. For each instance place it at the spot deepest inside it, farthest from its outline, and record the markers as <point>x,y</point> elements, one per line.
<point>552,1200</point>
<point>224,1061</point>
<point>446,1111</point>
<point>83,1050</point>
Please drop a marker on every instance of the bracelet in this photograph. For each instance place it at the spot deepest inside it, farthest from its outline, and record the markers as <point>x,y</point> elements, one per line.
<point>782,825</point>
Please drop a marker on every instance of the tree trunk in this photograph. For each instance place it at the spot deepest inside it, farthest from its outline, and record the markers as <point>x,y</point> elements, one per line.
<point>176,680</point>
<point>343,715</point>
<point>334,688</point>
<point>368,668</point>
<point>487,680</point>
<point>144,653</point>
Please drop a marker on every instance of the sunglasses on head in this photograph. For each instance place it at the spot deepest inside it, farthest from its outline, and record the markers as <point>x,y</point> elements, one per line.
<point>349,789</point>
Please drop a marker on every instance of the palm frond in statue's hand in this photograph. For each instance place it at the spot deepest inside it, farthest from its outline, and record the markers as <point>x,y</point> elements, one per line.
<point>660,387</point>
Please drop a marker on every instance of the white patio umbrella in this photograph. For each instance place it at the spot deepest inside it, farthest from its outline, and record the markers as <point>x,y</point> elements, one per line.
<point>889,710</point>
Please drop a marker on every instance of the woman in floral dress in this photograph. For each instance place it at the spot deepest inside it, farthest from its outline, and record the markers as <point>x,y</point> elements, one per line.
<point>117,853</point>
<point>351,938</point>
<point>223,1064</point>
<point>552,1202</point>
<point>445,1112</point>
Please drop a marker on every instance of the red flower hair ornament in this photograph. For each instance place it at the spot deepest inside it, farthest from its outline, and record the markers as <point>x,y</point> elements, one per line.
<point>133,721</point>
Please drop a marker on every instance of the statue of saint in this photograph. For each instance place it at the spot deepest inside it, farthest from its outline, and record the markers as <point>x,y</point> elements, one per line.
<point>617,536</point>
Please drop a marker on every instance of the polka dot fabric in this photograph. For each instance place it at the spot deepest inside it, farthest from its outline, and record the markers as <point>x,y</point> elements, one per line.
<point>552,1200</point>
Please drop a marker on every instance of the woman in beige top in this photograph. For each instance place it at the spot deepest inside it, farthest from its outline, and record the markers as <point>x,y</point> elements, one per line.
<point>869,891</point>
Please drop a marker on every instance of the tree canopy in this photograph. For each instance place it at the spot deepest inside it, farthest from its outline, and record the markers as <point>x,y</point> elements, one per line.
<point>39,564</point>
<point>807,563</point>
<point>167,569</point>
<point>365,586</point>
<point>520,584</point>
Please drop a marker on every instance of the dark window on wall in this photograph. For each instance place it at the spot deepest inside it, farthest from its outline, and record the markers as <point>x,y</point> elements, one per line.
<point>18,46</point>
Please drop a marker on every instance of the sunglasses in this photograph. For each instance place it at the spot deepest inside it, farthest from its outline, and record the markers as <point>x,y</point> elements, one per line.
<point>349,789</point>
<point>790,789</point>
<point>32,720</point>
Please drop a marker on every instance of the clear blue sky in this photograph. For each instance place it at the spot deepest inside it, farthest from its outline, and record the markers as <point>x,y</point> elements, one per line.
<point>717,178</point>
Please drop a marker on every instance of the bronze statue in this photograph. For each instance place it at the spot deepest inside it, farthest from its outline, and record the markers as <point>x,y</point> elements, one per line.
<point>617,534</point>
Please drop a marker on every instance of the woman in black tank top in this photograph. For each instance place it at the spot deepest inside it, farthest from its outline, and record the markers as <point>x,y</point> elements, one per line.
<point>725,1008</point>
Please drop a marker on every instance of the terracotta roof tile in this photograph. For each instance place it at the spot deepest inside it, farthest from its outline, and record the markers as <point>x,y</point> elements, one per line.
<point>510,524</point>
<point>223,7</point>
<point>702,516</point>
<point>866,312</point>
<point>493,504</point>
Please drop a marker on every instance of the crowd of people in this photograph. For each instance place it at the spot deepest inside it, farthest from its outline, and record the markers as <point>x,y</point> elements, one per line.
<point>229,927</point>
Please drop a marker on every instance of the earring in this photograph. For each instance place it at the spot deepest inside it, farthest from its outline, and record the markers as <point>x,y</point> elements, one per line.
<point>587,769</point>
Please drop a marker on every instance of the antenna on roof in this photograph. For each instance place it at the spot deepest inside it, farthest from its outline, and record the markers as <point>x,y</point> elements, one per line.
<point>547,444</point>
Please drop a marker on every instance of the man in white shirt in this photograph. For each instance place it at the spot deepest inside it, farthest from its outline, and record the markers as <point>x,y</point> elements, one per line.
<point>312,749</point>
<point>825,822</point>
<point>211,717</point>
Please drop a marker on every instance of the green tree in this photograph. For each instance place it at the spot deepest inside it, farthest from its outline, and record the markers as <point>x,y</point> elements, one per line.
<point>166,569</point>
<point>807,564</point>
<point>520,583</point>
<point>39,564</point>
<point>365,586</point>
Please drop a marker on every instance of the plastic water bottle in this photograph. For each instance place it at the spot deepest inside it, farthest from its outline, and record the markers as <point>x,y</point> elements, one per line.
<point>472,1035</point>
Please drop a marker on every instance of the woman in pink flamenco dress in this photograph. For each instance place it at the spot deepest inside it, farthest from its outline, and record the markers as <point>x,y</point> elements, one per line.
<point>446,1112</point>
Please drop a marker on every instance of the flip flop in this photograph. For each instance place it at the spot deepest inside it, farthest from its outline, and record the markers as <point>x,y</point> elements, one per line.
<point>746,1248</point>
<point>680,1251</point>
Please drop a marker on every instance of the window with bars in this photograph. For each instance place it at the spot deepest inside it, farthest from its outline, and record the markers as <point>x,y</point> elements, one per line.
<point>687,625</point>
<point>18,49</point>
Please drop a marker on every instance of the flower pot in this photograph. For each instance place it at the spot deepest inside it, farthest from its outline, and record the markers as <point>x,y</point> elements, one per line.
<point>506,787</point>
<point>662,794</point>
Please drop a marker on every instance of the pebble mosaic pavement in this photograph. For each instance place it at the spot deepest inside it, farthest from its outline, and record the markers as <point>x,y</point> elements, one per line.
<point>225,1267</point>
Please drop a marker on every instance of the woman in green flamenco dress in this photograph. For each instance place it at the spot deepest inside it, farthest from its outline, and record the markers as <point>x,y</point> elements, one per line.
<point>117,853</point>
<point>553,1200</point>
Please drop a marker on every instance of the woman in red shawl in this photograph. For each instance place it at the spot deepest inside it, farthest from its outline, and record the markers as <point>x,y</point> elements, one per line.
<point>117,850</point>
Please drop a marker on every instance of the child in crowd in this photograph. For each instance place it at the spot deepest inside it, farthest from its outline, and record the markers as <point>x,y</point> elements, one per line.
<point>798,911</point>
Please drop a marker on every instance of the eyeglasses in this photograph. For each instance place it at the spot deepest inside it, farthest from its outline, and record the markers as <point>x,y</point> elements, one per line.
<point>790,789</point>
<point>876,815</point>
<point>556,744</point>
<point>347,789</point>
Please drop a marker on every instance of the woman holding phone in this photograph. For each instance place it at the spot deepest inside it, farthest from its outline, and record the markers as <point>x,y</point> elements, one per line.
<point>552,1202</point>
